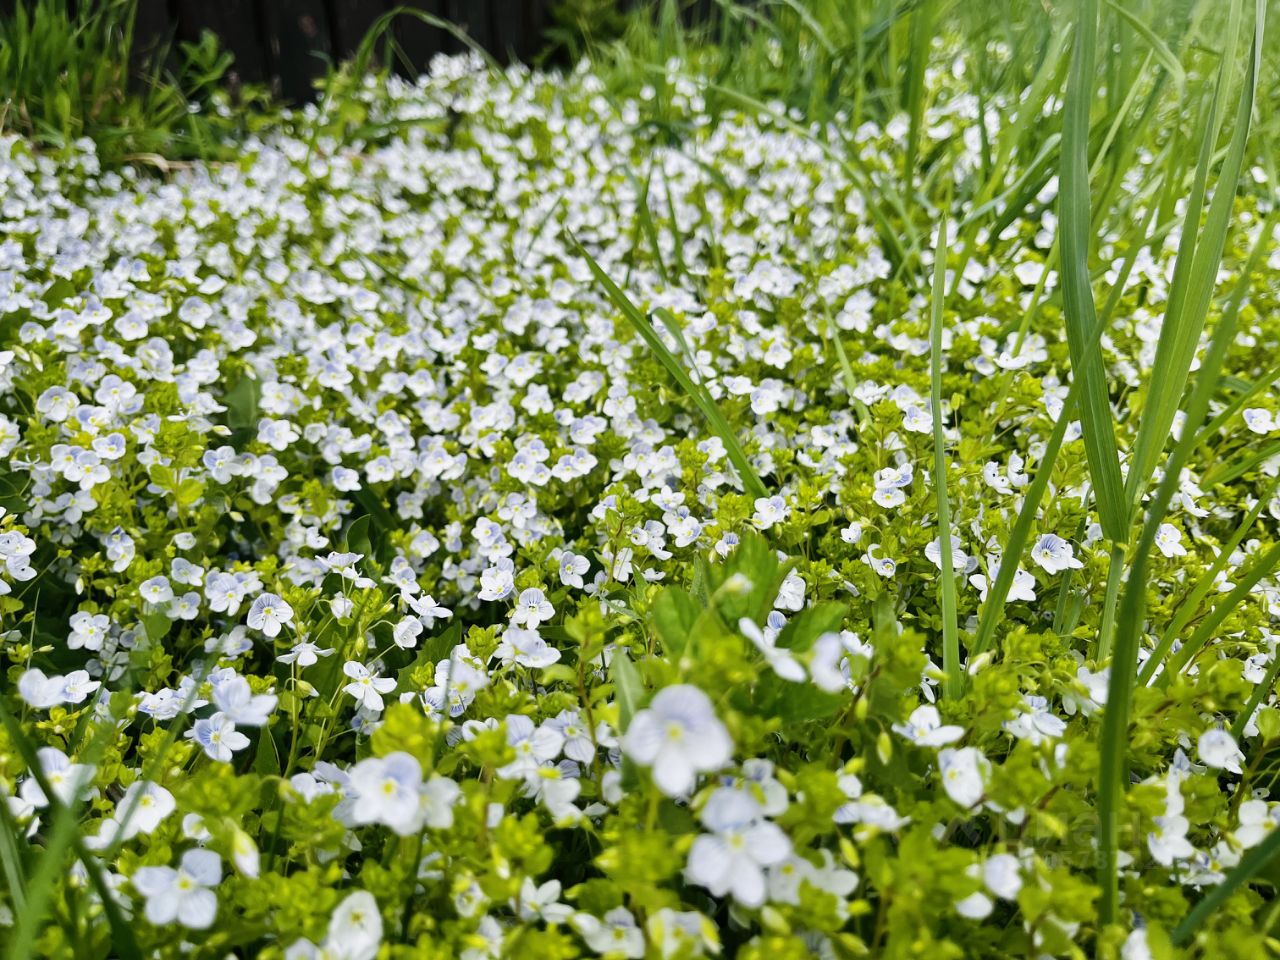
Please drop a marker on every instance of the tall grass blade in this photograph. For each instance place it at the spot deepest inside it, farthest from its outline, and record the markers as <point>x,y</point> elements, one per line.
<point>1159,49</point>
<point>1196,265</point>
<point>696,393</point>
<point>1250,865</point>
<point>947,578</point>
<point>1208,627</point>
<point>66,833</point>
<point>1197,407</point>
<point>1077,293</point>
<point>1114,736</point>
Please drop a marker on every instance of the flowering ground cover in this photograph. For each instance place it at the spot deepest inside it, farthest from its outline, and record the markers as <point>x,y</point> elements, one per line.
<point>516,529</point>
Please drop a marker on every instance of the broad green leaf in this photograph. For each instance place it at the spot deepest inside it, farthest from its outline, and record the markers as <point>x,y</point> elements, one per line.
<point>674,614</point>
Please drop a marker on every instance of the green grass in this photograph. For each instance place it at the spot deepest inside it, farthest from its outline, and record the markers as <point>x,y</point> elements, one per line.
<point>72,70</point>
<point>954,685</point>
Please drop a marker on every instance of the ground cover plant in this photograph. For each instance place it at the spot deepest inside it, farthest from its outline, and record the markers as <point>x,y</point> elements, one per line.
<point>805,486</point>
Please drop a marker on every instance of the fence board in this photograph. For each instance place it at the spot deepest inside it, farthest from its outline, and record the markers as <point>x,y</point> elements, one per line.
<point>351,20</point>
<point>299,45</point>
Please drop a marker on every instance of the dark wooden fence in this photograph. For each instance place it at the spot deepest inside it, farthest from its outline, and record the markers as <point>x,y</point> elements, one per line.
<point>289,43</point>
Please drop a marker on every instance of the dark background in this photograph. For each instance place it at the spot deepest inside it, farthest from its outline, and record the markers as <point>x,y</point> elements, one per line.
<point>286,44</point>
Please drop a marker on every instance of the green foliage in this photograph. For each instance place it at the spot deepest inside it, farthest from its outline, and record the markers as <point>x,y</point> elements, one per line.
<point>76,70</point>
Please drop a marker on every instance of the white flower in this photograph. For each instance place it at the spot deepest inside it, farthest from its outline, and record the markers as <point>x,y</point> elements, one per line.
<point>791,593</point>
<point>241,705</point>
<point>532,608</point>
<point>732,858</point>
<point>497,581</point>
<point>541,902</point>
<point>427,609</point>
<point>144,805</point>
<point>1168,841</point>
<point>88,630</point>
<point>533,746</point>
<point>156,590</point>
<point>1037,723</point>
<point>367,687</point>
<point>406,632</point>
<point>1169,541</point>
<point>218,736</point>
<point>1003,875</point>
<point>387,790</point>
<point>268,613</point>
<point>182,894</point>
<point>1022,588</point>
<point>885,566</point>
<point>615,936</point>
<point>1136,946</point>
<point>682,934</point>
<point>770,511</point>
<point>962,772</point>
<point>679,736</point>
<point>527,648</point>
<point>1095,685</point>
<point>782,661</point>
<point>1054,554</point>
<point>1257,819</point>
<point>1258,419</point>
<point>355,929</point>
<point>572,567</point>
<point>43,692</point>
<point>304,654</point>
<point>917,419</point>
<point>924,728</point>
<point>976,906</point>
<point>1217,749</point>
<point>67,780</point>
<point>959,560</point>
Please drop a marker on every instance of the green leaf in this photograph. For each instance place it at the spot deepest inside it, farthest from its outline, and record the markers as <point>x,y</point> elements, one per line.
<point>358,538</point>
<point>803,630</point>
<point>157,625</point>
<point>628,685</point>
<point>674,614</point>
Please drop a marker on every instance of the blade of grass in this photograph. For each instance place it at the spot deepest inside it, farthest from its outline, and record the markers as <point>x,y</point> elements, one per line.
<point>1240,466</point>
<point>993,607</point>
<point>1208,628</point>
<point>696,394</point>
<point>1114,734</point>
<point>1260,693</point>
<point>1190,607</point>
<point>1159,49</point>
<point>11,859</point>
<point>123,941</point>
<point>1197,407</point>
<point>1077,293</point>
<point>954,685</point>
<point>921,34</point>
<point>1196,265</point>
<point>1250,865</point>
<point>1236,404</point>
